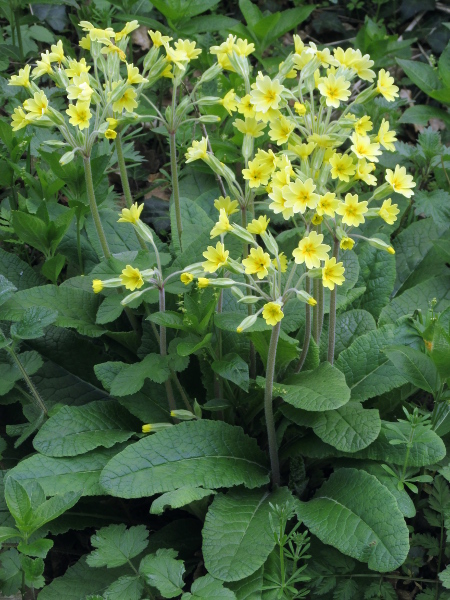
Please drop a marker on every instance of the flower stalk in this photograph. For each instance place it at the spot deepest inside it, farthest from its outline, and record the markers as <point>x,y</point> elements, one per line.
<point>332,321</point>
<point>268,405</point>
<point>94,208</point>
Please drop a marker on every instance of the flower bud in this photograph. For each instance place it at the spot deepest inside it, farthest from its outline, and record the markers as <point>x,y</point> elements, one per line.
<point>67,158</point>
<point>55,116</point>
<point>315,273</point>
<point>377,243</point>
<point>209,119</point>
<point>144,231</point>
<point>247,146</point>
<point>249,299</point>
<point>366,95</point>
<point>222,282</point>
<point>154,427</point>
<point>234,266</point>
<point>208,101</point>
<point>134,295</point>
<point>118,91</point>
<point>242,233</point>
<point>269,242</point>
<point>246,323</point>
<point>211,73</point>
<point>197,410</point>
<point>305,297</point>
<point>150,58</point>
<point>182,415</point>
<point>381,192</point>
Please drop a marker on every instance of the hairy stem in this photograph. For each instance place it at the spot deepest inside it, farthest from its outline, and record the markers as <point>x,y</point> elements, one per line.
<point>163,349</point>
<point>34,392</point>
<point>332,322</point>
<point>268,408</point>
<point>94,208</point>
<point>316,310</point>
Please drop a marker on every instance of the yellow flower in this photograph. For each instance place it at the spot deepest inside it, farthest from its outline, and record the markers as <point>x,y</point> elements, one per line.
<point>279,203</point>
<point>258,226</point>
<point>332,273</point>
<point>188,48</point>
<point>352,211</point>
<point>272,313</point>
<point>317,219</point>
<point>257,174</point>
<point>322,140</point>
<point>303,150</point>
<point>300,195</point>
<point>386,87</point>
<point>112,122</point>
<point>300,109</point>
<point>250,127</point>
<point>113,49</point>
<point>229,102</point>
<point>268,159</point>
<point>22,79</point>
<point>228,205</point>
<point>327,204</point>
<point>222,226</point>
<point>243,47</point>
<point>388,212</point>
<point>186,278</point>
<point>363,148</point>
<point>19,119</point>
<point>347,243</point>
<point>57,52</point>
<point>80,88</point>
<point>282,177</point>
<point>75,67</point>
<point>36,106</point>
<point>197,151</point>
<point>97,285</point>
<point>311,251</point>
<point>131,278</point>
<point>43,66</point>
<point>215,257</point>
<point>363,125</point>
<point>79,114</point>
<point>266,93</point>
<point>344,58</point>
<point>95,34</point>
<point>85,42</point>
<point>133,75</point>
<point>335,89</point>
<point>245,107</point>
<point>131,215</point>
<point>158,39</point>
<point>280,130</point>
<point>129,27</point>
<point>283,262</point>
<point>127,101</point>
<point>342,166</point>
<point>268,117</point>
<point>110,134</point>
<point>257,263</point>
<point>400,181</point>
<point>385,137</point>
<point>202,282</point>
<point>361,64</point>
<point>364,170</point>
<point>178,57</point>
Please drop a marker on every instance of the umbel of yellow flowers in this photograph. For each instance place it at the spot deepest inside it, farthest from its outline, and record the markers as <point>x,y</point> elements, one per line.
<point>319,168</point>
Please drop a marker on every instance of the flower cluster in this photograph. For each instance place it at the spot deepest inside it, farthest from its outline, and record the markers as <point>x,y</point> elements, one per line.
<point>318,166</point>
<point>102,88</point>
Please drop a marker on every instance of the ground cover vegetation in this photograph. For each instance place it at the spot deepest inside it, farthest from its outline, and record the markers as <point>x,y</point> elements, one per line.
<point>224,300</point>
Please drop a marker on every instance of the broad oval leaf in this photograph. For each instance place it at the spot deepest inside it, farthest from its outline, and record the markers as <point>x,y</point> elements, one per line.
<point>415,366</point>
<point>76,430</point>
<point>323,388</point>
<point>356,514</point>
<point>208,454</point>
<point>179,498</point>
<point>349,428</point>
<point>237,536</point>
<point>206,587</point>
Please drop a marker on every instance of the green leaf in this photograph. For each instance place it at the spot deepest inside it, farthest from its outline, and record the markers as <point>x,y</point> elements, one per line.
<point>75,430</point>
<point>7,289</point>
<point>248,588</point>
<point>349,428</point>
<point>169,318</point>
<point>229,321</point>
<point>10,572</point>
<point>366,367</point>
<point>415,255</point>
<point>116,544</point>
<point>404,502</point>
<point>237,536</point>
<point>415,366</point>
<point>444,576</point>
<point>434,204</point>
<point>131,378</point>
<point>428,450</point>
<point>251,12</point>
<point>76,308</point>
<point>377,274</point>
<point>164,572</point>
<point>207,454</point>
<point>35,319</point>
<point>31,230</point>
<point>287,348</point>
<point>421,114</point>
<point>129,587</point>
<point>7,533</point>
<point>53,267</point>
<point>323,388</point>
<point>18,272</point>
<point>349,326</point>
<point>234,368</point>
<point>110,309</point>
<point>417,297</point>
<point>78,582</point>
<point>289,19</point>
<point>356,514</point>
<point>18,502</point>
<point>61,475</point>
<point>179,498</point>
<point>53,508</point>
<point>192,344</point>
<point>421,74</point>
<point>206,587</point>
<point>37,549</point>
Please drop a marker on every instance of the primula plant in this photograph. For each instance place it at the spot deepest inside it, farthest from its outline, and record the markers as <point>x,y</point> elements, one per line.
<point>253,402</point>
